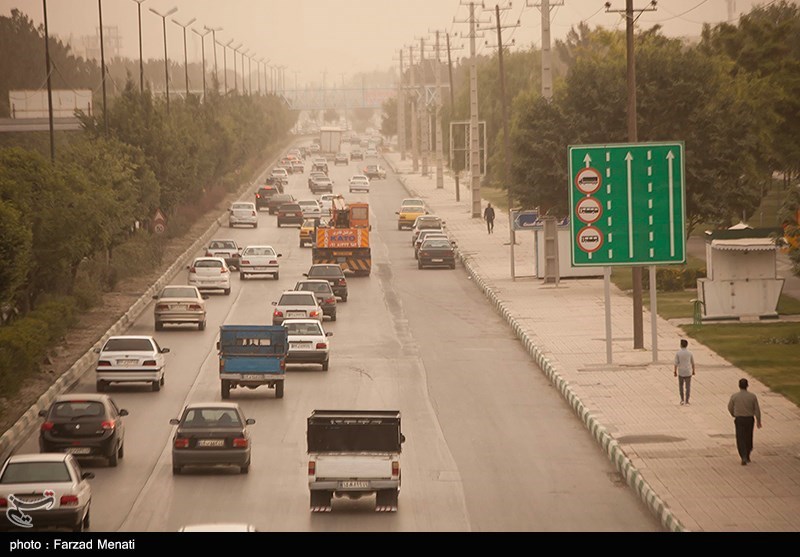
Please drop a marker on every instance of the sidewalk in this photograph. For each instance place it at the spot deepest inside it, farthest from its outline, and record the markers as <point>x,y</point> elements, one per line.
<point>681,460</point>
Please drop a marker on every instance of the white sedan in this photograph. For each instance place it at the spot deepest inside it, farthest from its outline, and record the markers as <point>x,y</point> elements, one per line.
<point>359,182</point>
<point>311,208</point>
<point>44,490</point>
<point>308,342</point>
<point>259,260</point>
<point>130,359</point>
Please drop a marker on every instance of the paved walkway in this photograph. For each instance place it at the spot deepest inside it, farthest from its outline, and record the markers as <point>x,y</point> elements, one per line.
<point>681,460</point>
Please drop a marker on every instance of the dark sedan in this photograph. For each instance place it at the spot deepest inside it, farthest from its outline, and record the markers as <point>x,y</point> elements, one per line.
<point>290,213</point>
<point>323,290</point>
<point>277,200</point>
<point>333,274</point>
<point>211,434</point>
<point>436,252</point>
<point>84,425</point>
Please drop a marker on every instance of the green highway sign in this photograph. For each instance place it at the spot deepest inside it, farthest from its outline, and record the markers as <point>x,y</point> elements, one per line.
<point>628,204</point>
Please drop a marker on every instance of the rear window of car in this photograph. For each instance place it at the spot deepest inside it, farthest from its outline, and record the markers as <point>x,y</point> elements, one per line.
<point>435,244</point>
<point>78,409</point>
<point>222,245</point>
<point>318,287</point>
<point>35,472</point>
<point>128,345</point>
<point>326,271</point>
<point>208,263</point>
<point>179,292</point>
<point>303,328</point>
<point>258,251</point>
<point>243,206</point>
<point>211,417</point>
<point>289,207</point>
<point>297,300</point>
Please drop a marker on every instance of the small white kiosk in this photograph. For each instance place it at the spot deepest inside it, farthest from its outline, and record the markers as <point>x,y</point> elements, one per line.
<point>742,281</point>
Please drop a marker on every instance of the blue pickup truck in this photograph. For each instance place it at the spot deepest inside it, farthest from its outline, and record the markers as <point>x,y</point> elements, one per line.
<point>252,356</point>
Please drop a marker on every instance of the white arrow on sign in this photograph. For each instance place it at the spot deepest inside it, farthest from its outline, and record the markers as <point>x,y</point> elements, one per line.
<point>671,162</point>
<point>587,160</point>
<point>628,159</point>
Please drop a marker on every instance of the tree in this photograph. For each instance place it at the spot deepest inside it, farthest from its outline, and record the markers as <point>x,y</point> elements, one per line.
<point>15,252</point>
<point>389,117</point>
<point>331,115</point>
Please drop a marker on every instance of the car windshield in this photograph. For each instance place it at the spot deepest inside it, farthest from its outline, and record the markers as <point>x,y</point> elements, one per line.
<point>211,417</point>
<point>77,409</point>
<point>297,300</point>
<point>412,203</point>
<point>221,244</point>
<point>128,345</point>
<point>35,472</point>
<point>309,203</point>
<point>317,287</point>
<point>303,328</point>
<point>178,292</point>
<point>258,251</point>
<point>326,271</point>
<point>208,263</point>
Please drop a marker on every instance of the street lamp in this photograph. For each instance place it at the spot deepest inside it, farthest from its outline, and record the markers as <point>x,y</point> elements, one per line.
<point>213,31</point>
<point>185,54</point>
<point>103,66</point>
<point>166,60</point>
<point>141,61</point>
<point>225,62</point>
<point>49,68</point>
<point>203,50</point>
<point>235,50</point>
<point>244,54</point>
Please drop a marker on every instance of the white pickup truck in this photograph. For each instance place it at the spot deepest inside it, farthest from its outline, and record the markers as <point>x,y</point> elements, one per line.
<point>354,453</point>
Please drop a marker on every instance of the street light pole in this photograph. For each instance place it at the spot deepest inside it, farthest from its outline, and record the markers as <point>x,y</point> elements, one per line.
<point>141,60</point>
<point>49,86</point>
<point>225,63</point>
<point>235,50</point>
<point>203,51</point>
<point>185,53</point>
<point>103,67</point>
<point>214,39</point>
<point>166,59</point>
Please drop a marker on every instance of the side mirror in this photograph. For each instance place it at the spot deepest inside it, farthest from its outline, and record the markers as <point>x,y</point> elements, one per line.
<point>402,438</point>
<point>280,255</point>
<point>397,212</point>
<point>205,296</point>
<point>305,274</point>
<point>249,421</point>
<point>96,350</point>
<point>274,303</point>
<point>155,296</point>
<point>188,267</point>
<point>42,413</point>
<point>165,350</point>
<point>87,476</point>
<point>123,412</point>
<point>329,334</point>
<point>174,421</point>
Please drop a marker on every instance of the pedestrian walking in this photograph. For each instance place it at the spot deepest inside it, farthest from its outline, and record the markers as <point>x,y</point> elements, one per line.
<point>684,370</point>
<point>488,216</point>
<point>743,406</point>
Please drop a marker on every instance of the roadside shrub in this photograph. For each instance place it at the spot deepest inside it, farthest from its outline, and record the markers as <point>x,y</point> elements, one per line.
<point>23,346</point>
<point>58,314</point>
<point>670,279</point>
<point>141,253</point>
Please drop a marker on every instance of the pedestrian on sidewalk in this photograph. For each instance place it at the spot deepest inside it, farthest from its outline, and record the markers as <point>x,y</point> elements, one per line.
<point>743,406</point>
<point>684,369</point>
<point>488,216</point>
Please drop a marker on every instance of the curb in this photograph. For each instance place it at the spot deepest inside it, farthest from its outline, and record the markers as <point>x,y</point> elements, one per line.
<point>612,449</point>
<point>28,422</point>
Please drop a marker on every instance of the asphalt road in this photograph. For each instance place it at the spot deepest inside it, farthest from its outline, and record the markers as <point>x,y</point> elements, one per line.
<point>491,446</point>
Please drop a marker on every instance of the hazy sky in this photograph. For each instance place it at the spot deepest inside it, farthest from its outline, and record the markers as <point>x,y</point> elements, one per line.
<point>343,36</point>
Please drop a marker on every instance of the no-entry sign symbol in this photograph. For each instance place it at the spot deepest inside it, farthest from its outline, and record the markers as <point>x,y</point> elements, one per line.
<point>588,180</point>
<point>589,210</point>
<point>590,239</point>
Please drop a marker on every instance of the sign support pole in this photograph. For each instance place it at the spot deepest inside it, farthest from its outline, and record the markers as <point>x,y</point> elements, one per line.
<point>607,295</point>
<point>654,312</point>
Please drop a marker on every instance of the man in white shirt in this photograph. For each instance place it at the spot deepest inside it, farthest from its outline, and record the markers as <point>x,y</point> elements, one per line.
<point>684,370</point>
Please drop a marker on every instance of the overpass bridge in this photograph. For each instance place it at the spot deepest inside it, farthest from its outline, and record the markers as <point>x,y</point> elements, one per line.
<point>323,99</point>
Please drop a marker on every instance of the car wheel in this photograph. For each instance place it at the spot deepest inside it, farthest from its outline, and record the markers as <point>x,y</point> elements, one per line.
<point>419,264</point>
<point>227,291</point>
<point>277,276</point>
<point>201,326</point>
<point>79,526</point>
<point>87,522</point>
<point>101,386</point>
<point>113,459</point>
<point>159,326</point>
<point>121,452</point>
<point>333,316</point>
<point>344,298</point>
<point>176,470</point>
<point>399,227</point>
<point>255,225</point>
<point>230,224</point>
<point>156,386</point>
<point>245,469</point>
<point>279,389</point>
<point>163,378</point>
<point>226,390</point>
<point>453,265</point>
<point>242,275</point>
<point>325,365</point>
<point>302,244</point>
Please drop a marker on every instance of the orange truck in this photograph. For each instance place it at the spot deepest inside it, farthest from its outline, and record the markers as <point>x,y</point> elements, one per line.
<point>345,241</point>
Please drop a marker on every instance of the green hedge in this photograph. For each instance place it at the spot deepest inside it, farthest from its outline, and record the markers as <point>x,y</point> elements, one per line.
<point>671,279</point>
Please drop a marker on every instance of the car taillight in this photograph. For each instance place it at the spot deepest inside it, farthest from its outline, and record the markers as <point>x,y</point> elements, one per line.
<point>240,443</point>
<point>273,262</point>
<point>253,213</point>
<point>245,262</point>
<point>342,282</point>
<point>47,426</point>
<point>395,468</point>
<point>425,253</point>
<point>162,306</point>
<point>69,500</point>
<point>312,468</point>
<point>103,363</point>
<point>208,254</point>
<point>235,255</point>
<point>223,271</point>
<point>330,301</point>
<point>196,307</point>
<point>181,443</point>
<point>192,270</point>
<point>108,424</point>
<point>258,196</point>
<point>313,313</point>
<point>278,313</point>
<point>322,345</point>
<point>149,363</point>
<point>3,502</point>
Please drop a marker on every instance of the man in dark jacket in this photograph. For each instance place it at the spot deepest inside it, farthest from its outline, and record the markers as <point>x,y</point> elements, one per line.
<point>743,406</point>
<point>488,216</point>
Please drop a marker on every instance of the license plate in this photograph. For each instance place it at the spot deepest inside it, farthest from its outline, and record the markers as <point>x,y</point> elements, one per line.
<point>259,268</point>
<point>211,443</point>
<point>127,363</point>
<point>177,306</point>
<point>291,214</point>
<point>437,260</point>
<point>79,450</point>
<point>220,255</point>
<point>351,485</point>
<point>295,314</point>
<point>299,345</point>
<point>252,377</point>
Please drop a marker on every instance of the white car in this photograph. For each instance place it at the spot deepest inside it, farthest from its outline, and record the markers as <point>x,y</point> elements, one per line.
<point>210,273</point>
<point>219,527</point>
<point>45,490</point>
<point>296,304</point>
<point>359,182</point>
<point>228,249</point>
<point>130,359</point>
<point>326,202</point>
<point>243,213</point>
<point>371,153</point>
<point>259,260</point>
<point>311,208</point>
<point>308,342</point>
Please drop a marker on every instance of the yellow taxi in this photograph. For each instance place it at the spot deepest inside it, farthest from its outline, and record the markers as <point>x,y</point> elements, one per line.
<point>410,209</point>
<point>307,233</point>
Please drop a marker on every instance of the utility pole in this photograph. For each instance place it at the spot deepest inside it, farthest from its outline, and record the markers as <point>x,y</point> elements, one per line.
<point>474,139</point>
<point>225,63</point>
<point>453,168</point>
<point>547,58</point>
<point>439,142</point>
<point>424,114</point>
<point>506,137</point>
<point>414,123</point>
<point>235,50</point>
<point>185,52</point>
<point>49,86</point>
<point>141,60</point>
<point>203,53</point>
<point>166,59</point>
<point>638,324</point>
<point>401,111</point>
<point>214,40</point>
<point>103,67</point>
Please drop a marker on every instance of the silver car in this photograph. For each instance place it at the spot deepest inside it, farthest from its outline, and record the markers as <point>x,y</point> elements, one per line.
<point>259,260</point>
<point>295,304</point>
<point>180,304</point>
<point>210,273</point>
<point>243,213</point>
